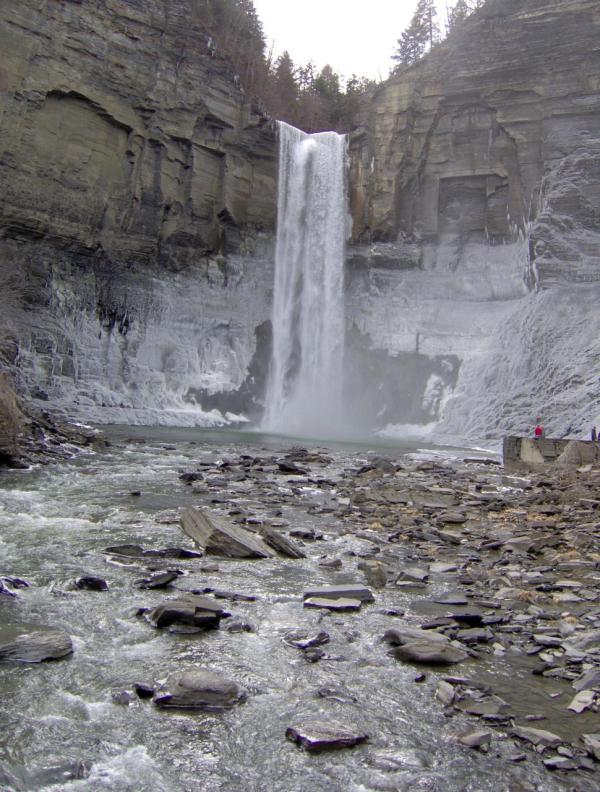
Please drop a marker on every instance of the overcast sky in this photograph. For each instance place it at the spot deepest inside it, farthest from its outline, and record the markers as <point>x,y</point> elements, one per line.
<point>353,36</point>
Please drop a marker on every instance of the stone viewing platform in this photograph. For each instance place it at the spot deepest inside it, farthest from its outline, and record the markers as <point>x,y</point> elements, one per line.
<point>529,453</point>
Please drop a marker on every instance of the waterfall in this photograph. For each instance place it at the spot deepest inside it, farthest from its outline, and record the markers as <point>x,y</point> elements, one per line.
<point>304,390</point>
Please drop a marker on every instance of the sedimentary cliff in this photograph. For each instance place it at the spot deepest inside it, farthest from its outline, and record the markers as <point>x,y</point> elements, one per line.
<point>129,153</point>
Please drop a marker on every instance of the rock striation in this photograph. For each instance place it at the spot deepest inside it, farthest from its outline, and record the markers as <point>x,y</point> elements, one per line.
<point>129,151</point>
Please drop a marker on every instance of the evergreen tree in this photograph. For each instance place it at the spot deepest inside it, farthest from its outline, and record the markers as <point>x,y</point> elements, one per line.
<point>422,33</point>
<point>457,15</point>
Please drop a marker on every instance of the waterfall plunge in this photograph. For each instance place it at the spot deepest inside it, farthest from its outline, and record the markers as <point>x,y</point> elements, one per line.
<point>304,391</point>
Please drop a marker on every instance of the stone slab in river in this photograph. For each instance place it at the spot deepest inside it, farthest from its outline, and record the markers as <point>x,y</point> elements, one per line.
<point>351,590</point>
<point>429,652</point>
<point>281,543</point>
<point>198,688</point>
<point>218,536</point>
<point>32,643</point>
<point>322,736</point>
<point>338,604</point>
<point>199,612</point>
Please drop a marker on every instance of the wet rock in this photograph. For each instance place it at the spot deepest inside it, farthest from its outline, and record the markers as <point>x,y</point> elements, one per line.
<point>398,636</point>
<point>582,701</point>
<point>143,691</point>
<point>589,681</point>
<point>91,583</point>
<point>339,694</point>
<point>473,618</point>
<point>190,477</point>
<point>122,697</point>
<point>429,652</point>
<point>323,736</point>
<point>234,596</point>
<point>335,563</point>
<point>452,598</point>
<point>281,543</point>
<point>4,590</point>
<point>302,640</point>
<point>159,581</point>
<point>200,613</point>
<point>374,573</point>
<point>198,688</point>
<point>442,568</point>
<point>445,693</point>
<point>30,643</point>
<point>475,635</point>
<point>476,739</point>
<point>216,535</point>
<point>135,551</point>
<point>354,591</point>
<point>338,604</point>
<point>290,468</point>
<point>307,534</point>
<point>592,744</point>
<point>537,736</point>
<point>240,626</point>
<point>413,574</point>
<point>560,763</point>
<point>486,707</point>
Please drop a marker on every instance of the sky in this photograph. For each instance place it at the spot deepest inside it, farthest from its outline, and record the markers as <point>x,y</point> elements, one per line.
<point>353,36</point>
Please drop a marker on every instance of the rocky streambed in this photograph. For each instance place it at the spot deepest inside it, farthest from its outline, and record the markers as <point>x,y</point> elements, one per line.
<point>394,622</point>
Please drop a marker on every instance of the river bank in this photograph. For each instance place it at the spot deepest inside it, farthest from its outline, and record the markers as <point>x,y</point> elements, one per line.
<point>502,570</point>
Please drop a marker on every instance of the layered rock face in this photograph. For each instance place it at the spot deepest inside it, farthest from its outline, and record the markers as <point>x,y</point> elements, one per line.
<point>128,152</point>
<point>475,186</point>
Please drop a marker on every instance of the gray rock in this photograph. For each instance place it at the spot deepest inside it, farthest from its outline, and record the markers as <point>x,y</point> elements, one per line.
<point>452,598</point>
<point>31,643</point>
<point>198,688</point>
<point>413,573</point>
<point>589,681</point>
<point>200,613</point>
<point>445,693</point>
<point>91,583</point>
<point>217,535</point>
<point>374,572</point>
<point>398,636</point>
<point>353,591</point>
<point>537,736</point>
<point>429,652</point>
<point>476,739</point>
<point>281,543</point>
<point>592,744</point>
<point>582,701</point>
<point>339,604</point>
<point>323,736</point>
<point>302,640</point>
<point>158,581</point>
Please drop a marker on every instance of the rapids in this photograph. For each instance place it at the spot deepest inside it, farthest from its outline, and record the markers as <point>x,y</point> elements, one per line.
<point>56,523</point>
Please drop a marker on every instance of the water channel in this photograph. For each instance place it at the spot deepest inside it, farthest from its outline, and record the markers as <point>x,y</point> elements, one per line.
<point>60,719</point>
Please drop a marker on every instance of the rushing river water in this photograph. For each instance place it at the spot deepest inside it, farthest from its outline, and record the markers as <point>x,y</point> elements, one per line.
<point>57,521</point>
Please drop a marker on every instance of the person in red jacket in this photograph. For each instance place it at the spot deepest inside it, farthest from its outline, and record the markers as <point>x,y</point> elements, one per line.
<point>538,431</point>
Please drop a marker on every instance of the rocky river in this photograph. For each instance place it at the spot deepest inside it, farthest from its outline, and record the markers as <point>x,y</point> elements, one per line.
<point>454,638</point>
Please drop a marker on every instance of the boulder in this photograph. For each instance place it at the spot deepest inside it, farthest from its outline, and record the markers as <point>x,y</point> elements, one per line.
<point>217,535</point>
<point>30,643</point>
<point>198,688</point>
<point>324,736</point>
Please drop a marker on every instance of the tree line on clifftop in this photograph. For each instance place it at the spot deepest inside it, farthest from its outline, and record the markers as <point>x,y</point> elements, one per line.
<point>309,98</point>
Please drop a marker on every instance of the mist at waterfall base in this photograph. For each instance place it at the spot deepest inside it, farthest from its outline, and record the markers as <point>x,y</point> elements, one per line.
<point>304,389</point>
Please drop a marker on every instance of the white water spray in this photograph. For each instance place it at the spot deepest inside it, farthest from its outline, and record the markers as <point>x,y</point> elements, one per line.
<point>304,391</point>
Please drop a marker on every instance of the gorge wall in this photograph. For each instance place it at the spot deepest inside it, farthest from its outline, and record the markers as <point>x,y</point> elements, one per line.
<point>138,187</point>
<point>137,216</point>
